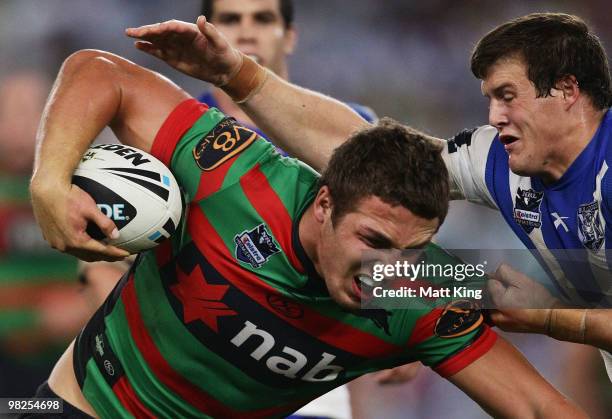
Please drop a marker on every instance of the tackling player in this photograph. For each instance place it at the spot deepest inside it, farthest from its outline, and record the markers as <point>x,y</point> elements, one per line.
<point>547,150</point>
<point>253,309</point>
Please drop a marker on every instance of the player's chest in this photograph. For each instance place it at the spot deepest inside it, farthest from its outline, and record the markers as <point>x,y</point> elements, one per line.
<point>572,217</point>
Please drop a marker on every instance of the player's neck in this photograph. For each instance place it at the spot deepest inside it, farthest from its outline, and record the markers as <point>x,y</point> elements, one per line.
<point>578,136</point>
<point>308,235</point>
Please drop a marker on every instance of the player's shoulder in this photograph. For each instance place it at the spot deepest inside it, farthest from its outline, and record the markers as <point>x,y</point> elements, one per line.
<point>481,137</point>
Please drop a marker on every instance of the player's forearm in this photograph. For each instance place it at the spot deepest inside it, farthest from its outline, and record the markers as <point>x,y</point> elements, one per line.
<point>589,326</point>
<point>505,385</point>
<point>306,124</point>
<point>83,101</point>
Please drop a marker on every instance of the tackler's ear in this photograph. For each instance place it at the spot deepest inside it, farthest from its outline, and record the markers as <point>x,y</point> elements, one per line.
<point>569,88</point>
<point>290,40</point>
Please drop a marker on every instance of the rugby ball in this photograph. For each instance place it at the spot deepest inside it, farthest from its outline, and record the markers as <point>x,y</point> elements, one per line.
<point>135,190</point>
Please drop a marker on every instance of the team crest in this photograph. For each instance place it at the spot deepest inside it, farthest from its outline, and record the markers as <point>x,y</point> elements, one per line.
<point>255,246</point>
<point>527,209</point>
<point>225,141</point>
<point>590,230</point>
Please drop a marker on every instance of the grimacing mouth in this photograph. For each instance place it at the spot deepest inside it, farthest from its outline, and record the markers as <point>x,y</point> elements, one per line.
<point>365,284</point>
<point>508,139</point>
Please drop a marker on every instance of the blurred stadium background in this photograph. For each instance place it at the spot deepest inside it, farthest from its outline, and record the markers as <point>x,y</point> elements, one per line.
<point>405,59</point>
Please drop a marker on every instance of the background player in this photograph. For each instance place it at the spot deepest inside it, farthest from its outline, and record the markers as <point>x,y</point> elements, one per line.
<point>34,279</point>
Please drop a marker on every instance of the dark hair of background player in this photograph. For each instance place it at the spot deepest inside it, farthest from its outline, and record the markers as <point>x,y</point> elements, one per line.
<point>286,10</point>
<point>553,45</point>
<point>396,163</point>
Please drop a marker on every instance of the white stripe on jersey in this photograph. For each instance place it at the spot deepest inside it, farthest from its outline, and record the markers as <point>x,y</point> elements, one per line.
<point>466,161</point>
<point>607,357</point>
<point>538,241</point>
<point>598,262</point>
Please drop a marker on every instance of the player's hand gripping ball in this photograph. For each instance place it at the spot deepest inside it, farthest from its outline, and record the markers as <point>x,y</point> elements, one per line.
<point>135,190</point>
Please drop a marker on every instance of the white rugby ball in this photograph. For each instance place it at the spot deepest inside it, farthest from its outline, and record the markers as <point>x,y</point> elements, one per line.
<point>135,190</point>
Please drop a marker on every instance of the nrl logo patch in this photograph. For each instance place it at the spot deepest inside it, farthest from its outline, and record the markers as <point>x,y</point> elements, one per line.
<point>255,246</point>
<point>590,230</point>
<point>458,318</point>
<point>527,209</point>
<point>222,143</point>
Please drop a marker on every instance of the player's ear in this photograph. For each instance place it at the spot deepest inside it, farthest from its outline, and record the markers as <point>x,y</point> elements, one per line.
<point>569,88</point>
<point>291,38</point>
<point>323,205</point>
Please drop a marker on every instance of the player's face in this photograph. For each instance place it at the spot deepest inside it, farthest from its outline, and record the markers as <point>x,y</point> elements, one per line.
<point>373,224</point>
<point>256,28</point>
<point>529,127</point>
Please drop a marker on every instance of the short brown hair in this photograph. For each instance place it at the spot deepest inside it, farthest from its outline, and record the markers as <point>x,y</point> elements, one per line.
<point>553,45</point>
<point>398,164</point>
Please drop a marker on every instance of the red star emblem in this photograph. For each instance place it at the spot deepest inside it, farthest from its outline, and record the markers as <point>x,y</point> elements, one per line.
<point>201,300</point>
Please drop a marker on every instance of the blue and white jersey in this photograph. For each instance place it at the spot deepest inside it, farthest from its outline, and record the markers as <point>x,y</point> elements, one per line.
<point>567,223</point>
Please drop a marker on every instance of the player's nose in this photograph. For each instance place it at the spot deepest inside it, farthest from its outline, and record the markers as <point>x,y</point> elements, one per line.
<point>498,117</point>
<point>247,33</point>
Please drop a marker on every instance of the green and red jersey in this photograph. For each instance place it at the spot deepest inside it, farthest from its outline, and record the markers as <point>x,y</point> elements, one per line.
<point>229,318</point>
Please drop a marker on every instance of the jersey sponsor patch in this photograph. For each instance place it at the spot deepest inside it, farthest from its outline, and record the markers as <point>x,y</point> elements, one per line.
<point>590,230</point>
<point>255,246</point>
<point>225,141</point>
<point>527,209</point>
<point>458,318</point>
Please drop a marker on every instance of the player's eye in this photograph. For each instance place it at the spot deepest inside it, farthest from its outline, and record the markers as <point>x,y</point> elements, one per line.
<point>228,19</point>
<point>374,243</point>
<point>265,17</point>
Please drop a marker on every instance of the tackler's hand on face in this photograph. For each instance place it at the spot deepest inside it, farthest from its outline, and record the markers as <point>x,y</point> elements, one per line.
<point>520,303</point>
<point>63,212</point>
<point>198,50</point>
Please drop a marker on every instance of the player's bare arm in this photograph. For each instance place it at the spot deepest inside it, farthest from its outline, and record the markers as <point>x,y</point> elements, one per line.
<point>504,384</point>
<point>313,125</point>
<point>131,100</point>
<point>509,290</point>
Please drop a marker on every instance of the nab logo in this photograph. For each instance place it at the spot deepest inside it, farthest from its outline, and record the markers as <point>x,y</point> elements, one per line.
<point>114,212</point>
<point>290,366</point>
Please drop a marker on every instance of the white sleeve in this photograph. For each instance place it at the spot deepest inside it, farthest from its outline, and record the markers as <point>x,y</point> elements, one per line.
<point>466,160</point>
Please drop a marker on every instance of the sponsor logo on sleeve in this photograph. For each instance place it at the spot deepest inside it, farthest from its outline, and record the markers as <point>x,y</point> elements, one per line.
<point>225,141</point>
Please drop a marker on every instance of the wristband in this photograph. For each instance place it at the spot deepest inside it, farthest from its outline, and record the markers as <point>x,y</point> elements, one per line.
<point>568,325</point>
<point>247,82</point>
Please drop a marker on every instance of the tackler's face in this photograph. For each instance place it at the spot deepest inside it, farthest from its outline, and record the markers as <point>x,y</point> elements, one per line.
<point>256,28</point>
<point>529,126</point>
<point>371,225</point>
